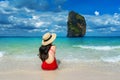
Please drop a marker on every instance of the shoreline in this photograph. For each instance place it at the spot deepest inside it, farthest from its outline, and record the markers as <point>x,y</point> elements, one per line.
<point>11,69</point>
<point>84,73</point>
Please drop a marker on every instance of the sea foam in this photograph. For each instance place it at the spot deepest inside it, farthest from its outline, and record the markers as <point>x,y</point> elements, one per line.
<point>98,47</point>
<point>112,59</point>
<point>1,53</point>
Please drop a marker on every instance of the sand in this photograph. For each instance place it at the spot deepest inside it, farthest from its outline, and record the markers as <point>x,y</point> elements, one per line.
<point>29,69</point>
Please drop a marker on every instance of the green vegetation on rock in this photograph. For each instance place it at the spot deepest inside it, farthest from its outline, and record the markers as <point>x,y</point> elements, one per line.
<point>76,25</point>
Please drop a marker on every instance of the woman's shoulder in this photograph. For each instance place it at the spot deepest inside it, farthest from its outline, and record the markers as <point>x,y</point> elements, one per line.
<point>53,47</point>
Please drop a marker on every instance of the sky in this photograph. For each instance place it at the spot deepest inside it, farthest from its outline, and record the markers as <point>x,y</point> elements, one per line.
<point>36,17</point>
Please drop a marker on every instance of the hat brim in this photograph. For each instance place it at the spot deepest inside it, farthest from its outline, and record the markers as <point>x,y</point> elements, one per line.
<point>50,40</point>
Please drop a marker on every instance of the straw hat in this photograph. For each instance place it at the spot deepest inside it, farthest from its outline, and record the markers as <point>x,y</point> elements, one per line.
<point>48,38</point>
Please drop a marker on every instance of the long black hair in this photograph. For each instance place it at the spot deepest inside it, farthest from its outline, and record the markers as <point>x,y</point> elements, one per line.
<point>43,52</point>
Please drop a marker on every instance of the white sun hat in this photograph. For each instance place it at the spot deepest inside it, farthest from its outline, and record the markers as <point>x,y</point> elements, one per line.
<point>48,38</point>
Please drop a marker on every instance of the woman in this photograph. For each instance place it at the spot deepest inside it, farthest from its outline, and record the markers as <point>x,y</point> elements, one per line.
<point>47,52</point>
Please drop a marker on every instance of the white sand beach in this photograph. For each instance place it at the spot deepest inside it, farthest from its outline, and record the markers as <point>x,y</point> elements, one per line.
<point>29,69</point>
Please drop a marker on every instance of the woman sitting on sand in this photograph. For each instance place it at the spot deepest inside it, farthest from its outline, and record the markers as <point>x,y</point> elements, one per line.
<point>47,52</point>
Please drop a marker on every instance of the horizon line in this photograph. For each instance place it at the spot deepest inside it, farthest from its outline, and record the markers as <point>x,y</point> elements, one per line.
<point>57,36</point>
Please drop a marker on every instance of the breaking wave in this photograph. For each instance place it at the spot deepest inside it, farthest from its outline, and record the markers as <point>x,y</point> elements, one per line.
<point>98,47</point>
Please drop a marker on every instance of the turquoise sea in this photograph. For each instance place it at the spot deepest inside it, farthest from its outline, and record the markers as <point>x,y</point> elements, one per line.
<point>86,49</point>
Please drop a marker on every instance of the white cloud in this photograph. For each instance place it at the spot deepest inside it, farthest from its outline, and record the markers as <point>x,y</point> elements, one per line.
<point>3,11</point>
<point>4,3</point>
<point>96,13</point>
<point>5,26</point>
<point>57,26</point>
<point>102,29</point>
<point>104,24</point>
<point>35,17</point>
<point>37,30</point>
<point>27,10</point>
<point>33,21</point>
<point>89,30</point>
<point>6,8</point>
<point>103,20</point>
<point>34,30</point>
<point>41,22</point>
<point>44,30</point>
<point>113,29</point>
<point>38,24</point>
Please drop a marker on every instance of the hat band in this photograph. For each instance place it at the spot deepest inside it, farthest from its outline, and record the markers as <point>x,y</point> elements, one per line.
<point>48,38</point>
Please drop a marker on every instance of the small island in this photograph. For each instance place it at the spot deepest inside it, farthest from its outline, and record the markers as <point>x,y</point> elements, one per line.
<point>76,25</point>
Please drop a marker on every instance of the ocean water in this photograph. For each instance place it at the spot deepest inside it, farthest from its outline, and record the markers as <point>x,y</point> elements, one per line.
<point>86,49</point>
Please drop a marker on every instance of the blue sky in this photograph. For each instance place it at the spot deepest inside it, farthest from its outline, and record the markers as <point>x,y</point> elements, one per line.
<point>36,17</point>
<point>88,7</point>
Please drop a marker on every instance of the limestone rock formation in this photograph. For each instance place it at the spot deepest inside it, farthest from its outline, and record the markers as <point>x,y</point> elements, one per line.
<point>76,25</point>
